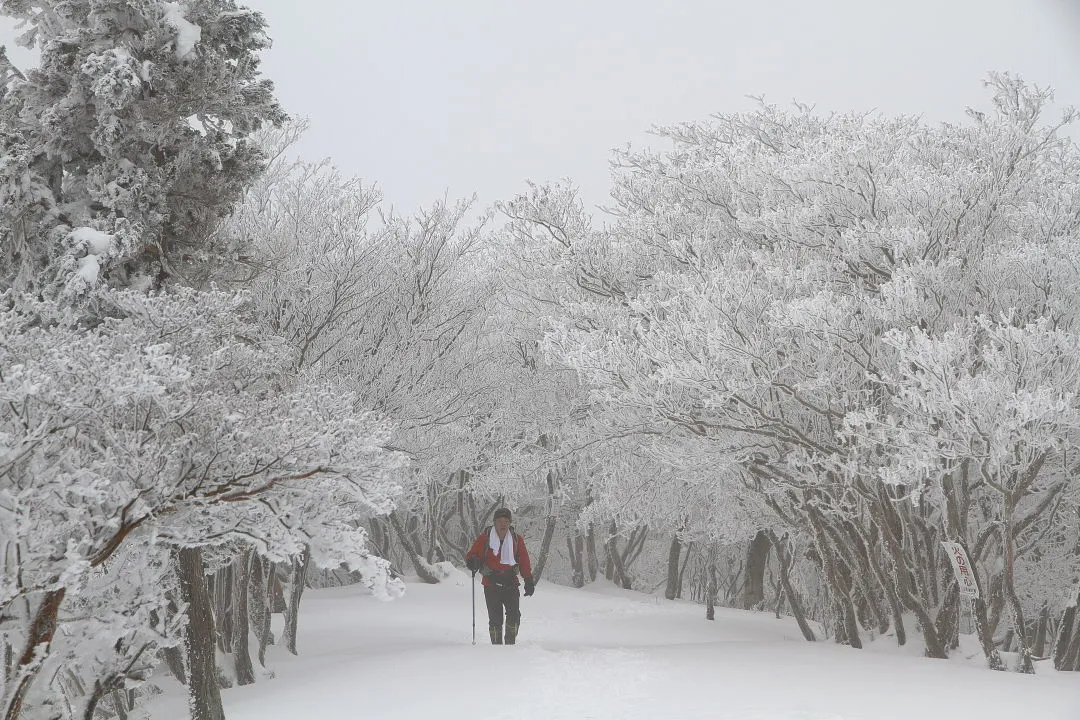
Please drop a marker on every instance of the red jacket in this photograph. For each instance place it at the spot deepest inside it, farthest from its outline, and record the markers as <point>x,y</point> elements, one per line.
<point>481,549</point>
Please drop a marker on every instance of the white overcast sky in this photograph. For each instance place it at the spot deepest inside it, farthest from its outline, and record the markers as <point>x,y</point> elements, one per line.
<point>426,97</point>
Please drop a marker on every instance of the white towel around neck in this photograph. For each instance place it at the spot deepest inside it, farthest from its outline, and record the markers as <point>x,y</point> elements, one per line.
<point>506,556</point>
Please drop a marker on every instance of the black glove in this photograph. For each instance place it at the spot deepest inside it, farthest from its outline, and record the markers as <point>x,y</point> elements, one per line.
<point>529,586</point>
<point>473,563</point>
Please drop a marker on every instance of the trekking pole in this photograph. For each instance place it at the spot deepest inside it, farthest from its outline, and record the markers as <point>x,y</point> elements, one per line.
<point>474,607</point>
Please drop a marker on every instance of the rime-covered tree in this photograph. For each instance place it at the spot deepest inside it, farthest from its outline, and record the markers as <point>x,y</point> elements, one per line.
<point>173,426</point>
<point>128,144</point>
<point>814,284</point>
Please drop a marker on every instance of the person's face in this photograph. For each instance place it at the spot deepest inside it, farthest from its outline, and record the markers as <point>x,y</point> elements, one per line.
<point>502,524</point>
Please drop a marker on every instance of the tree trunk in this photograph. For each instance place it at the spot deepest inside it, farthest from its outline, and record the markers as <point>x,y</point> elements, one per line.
<point>711,587</point>
<point>7,660</point>
<point>418,562</point>
<point>838,581</point>
<point>1064,634</point>
<point>549,530</point>
<point>786,561</point>
<point>1072,654</point>
<point>380,538</point>
<point>757,557</point>
<point>1062,651</point>
<point>121,705</point>
<point>38,639</point>
<point>948,617</point>
<point>671,591</point>
<point>296,591</point>
<point>575,547</point>
<point>262,578</point>
<point>682,570</point>
<point>220,587</point>
<point>245,673</point>
<point>852,534</point>
<point>891,527</point>
<point>615,559</point>
<point>634,546</point>
<point>1038,643</point>
<point>279,578</point>
<point>174,656</point>
<point>1025,665</point>
<point>590,553</point>
<point>204,693</point>
<point>1008,586</point>
<point>985,635</point>
<point>888,587</point>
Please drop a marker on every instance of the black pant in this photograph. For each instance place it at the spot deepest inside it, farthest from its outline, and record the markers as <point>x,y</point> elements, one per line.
<point>497,597</point>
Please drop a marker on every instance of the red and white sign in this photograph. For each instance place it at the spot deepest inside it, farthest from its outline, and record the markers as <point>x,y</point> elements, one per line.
<point>965,575</point>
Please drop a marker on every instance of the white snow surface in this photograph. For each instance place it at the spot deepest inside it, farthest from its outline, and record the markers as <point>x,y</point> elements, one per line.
<point>603,652</point>
<point>89,268</point>
<point>96,241</point>
<point>188,34</point>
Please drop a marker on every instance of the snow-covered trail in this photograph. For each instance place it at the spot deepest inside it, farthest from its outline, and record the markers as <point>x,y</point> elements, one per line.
<point>608,653</point>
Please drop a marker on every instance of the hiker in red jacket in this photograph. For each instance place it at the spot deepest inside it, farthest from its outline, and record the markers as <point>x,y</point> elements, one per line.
<point>499,554</point>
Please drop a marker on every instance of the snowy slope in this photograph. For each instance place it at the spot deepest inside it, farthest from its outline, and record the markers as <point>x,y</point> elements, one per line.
<point>608,653</point>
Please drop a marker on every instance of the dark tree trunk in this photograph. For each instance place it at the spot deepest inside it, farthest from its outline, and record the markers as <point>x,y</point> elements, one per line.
<point>634,546</point>
<point>618,571</point>
<point>682,570</point>
<point>38,640</point>
<point>1072,654</point>
<point>204,693</point>
<point>96,695</point>
<point>1038,643</point>
<point>549,529</point>
<point>122,705</point>
<point>575,547</point>
<point>711,589</point>
<point>1026,664</point>
<point>1067,645</point>
<point>671,591</point>
<point>891,527</point>
<point>757,557</point>
<point>219,585</point>
<point>985,634</point>
<point>262,578</point>
<point>7,659</point>
<point>888,587</point>
<point>414,555</point>
<point>380,538</point>
<point>174,660</point>
<point>1064,633</point>
<point>838,581</point>
<point>296,591</point>
<point>948,617</point>
<point>862,560</point>
<point>995,604</point>
<point>1008,586</point>
<point>785,560</point>
<point>174,656</point>
<point>591,557</point>
<point>245,673</point>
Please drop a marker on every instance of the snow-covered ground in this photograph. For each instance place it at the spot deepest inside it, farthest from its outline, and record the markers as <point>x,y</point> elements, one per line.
<point>603,652</point>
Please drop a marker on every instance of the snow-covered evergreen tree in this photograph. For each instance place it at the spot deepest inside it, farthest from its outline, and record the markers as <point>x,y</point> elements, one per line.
<point>128,143</point>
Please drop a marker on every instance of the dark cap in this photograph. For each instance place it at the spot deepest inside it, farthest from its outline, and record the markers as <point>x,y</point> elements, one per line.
<point>502,512</point>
